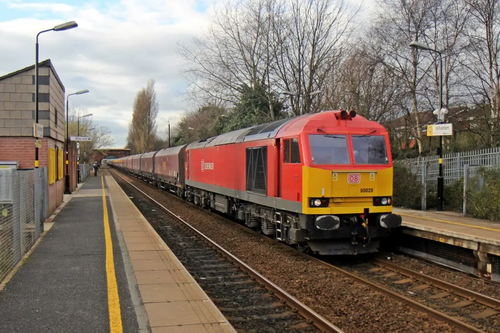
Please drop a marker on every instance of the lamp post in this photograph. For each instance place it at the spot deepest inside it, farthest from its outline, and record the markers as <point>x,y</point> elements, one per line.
<point>78,157</point>
<point>78,122</point>
<point>169,133</point>
<point>60,27</point>
<point>440,118</point>
<point>67,189</point>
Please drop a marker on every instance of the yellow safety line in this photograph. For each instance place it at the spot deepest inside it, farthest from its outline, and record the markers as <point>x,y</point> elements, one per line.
<point>449,222</point>
<point>115,316</point>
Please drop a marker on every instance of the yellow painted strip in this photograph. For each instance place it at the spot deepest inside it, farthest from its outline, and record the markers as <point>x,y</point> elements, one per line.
<point>115,316</point>
<point>440,161</point>
<point>36,163</point>
<point>449,222</point>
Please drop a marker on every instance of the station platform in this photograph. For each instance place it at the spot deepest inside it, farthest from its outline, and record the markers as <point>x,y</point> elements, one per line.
<point>479,237</point>
<point>100,267</point>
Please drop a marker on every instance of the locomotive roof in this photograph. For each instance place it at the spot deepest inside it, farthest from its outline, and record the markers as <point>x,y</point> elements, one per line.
<point>326,120</point>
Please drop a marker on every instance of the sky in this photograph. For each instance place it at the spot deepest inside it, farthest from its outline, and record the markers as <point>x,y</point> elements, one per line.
<point>118,46</point>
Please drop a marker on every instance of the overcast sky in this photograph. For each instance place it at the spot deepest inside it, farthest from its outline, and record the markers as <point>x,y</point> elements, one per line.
<point>117,47</point>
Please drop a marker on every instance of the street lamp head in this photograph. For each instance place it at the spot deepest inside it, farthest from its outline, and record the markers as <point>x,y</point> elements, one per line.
<point>82,92</point>
<point>421,46</point>
<point>190,128</point>
<point>87,115</point>
<point>65,26</point>
<point>289,93</point>
<point>315,93</point>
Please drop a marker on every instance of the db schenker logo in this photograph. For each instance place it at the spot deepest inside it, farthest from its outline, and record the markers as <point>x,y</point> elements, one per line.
<point>354,178</point>
<point>206,166</point>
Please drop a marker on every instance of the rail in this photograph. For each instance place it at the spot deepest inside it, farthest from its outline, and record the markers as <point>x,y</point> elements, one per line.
<point>436,314</point>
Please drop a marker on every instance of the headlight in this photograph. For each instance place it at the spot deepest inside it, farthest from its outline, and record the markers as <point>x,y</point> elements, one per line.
<point>382,201</point>
<point>319,202</point>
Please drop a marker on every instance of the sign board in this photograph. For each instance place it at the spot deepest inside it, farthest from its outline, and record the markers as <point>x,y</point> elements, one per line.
<point>79,138</point>
<point>439,129</point>
<point>37,130</point>
<point>38,143</point>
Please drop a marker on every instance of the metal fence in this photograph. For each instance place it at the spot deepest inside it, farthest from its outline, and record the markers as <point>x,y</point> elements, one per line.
<point>84,172</point>
<point>455,166</point>
<point>24,206</point>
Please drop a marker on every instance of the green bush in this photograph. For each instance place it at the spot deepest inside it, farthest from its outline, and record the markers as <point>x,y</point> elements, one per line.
<point>484,202</point>
<point>407,189</point>
<point>454,195</point>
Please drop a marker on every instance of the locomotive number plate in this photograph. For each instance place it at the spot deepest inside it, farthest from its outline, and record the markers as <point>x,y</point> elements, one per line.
<point>367,190</point>
<point>354,178</point>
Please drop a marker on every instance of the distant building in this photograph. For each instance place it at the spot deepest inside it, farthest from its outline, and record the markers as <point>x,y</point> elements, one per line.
<point>17,116</point>
<point>110,153</point>
<point>403,129</point>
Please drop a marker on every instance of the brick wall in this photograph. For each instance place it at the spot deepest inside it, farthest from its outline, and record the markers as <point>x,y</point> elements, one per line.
<point>22,150</point>
<point>19,149</point>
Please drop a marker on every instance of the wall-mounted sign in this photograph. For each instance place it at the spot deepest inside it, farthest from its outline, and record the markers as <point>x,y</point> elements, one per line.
<point>440,129</point>
<point>38,143</point>
<point>79,138</point>
<point>37,130</point>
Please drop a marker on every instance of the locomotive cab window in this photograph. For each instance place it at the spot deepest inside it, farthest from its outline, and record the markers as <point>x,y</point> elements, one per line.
<point>369,149</point>
<point>291,151</point>
<point>329,149</point>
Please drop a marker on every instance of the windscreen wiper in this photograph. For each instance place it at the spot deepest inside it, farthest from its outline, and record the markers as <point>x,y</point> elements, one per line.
<point>367,134</point>
<point>330,135</point>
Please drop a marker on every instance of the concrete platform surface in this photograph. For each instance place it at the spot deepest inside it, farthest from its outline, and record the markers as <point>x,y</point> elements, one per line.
<point>173,300</point>
<point>452,224</point>
<point>102,268</point>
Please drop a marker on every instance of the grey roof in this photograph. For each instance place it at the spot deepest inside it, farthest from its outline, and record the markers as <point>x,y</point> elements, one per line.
<point>45,63</point>
<point>170,151</point>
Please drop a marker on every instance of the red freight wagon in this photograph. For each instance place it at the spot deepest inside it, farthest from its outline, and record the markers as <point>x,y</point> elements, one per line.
<point>127,163</point>
<point>169,169</point>
<point>147,166</point>
<point>136,163</point>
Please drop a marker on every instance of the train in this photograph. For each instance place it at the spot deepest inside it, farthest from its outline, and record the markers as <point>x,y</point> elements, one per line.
<point>322,182</point>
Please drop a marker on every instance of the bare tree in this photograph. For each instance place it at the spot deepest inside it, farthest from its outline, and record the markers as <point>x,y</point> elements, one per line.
<point>364,84</point>
<point>200,124</point>
<point>276,44</point>
<point>233,53</point>
<point>482,60</point>
<point>400,22</point>
<point>100,136</point>
<point>142,129</point>
<point>309,42</point>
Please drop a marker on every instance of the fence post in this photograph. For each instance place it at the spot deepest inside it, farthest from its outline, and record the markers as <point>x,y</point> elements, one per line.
<point>480,179</point>
<point>466,182</point>
<point>424,185</point>
<point>16,217</point>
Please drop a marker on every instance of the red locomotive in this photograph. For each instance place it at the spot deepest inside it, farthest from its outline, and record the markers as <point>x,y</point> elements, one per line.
<point>321,181</point>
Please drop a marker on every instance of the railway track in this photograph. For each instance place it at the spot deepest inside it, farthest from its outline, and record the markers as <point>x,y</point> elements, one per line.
<point>249,300</point>
<point>407,277</point>
<point>465,309</point>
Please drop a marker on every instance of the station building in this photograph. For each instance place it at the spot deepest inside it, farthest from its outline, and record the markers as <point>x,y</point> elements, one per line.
<point>17,118</point>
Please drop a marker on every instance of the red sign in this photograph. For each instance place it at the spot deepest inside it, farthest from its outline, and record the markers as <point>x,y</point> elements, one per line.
<point>354,178</point>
